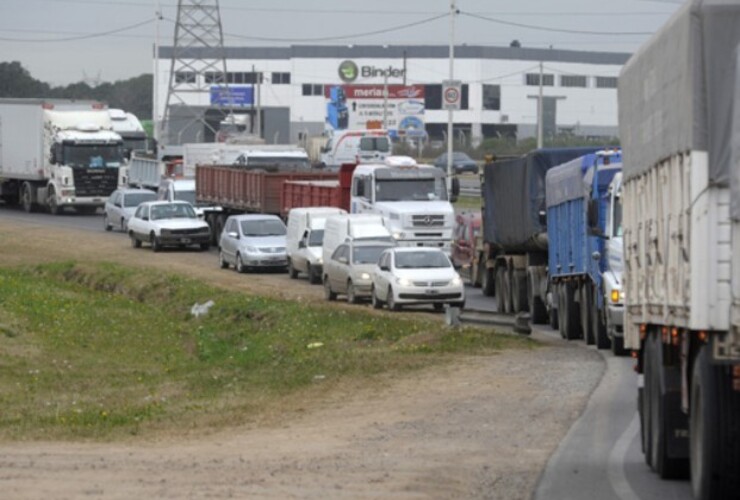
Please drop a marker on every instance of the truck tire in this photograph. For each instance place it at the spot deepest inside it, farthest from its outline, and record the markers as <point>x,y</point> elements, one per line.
<point>519,291</point>
<point>27,197</point>
<point>584,308</point>
<point>644,405</point>
<point>617,345</point>
<point>475,275</point>
<point>537,309</point>
<point>664,410</point>
<point>561,309</point>
<point>506,291</point>
<point>569,315</point>
<point>597,319</point>
<point>501,291</point>
<point>488,281</point>
<point>714,408</point>
<point>552,317</point>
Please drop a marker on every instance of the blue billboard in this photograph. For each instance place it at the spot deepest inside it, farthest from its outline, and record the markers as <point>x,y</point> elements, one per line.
<point>239,95</point>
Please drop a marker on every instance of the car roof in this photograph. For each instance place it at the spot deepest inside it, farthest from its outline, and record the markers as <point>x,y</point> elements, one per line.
<point>243,217</point>
<point>165,202</point>
<point>371,243</point>
<point>415,249</point>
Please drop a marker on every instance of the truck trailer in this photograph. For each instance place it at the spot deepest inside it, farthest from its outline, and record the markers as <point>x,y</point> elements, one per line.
<point>58,154</point>
<point>679,120</point>
<point>584,240</point>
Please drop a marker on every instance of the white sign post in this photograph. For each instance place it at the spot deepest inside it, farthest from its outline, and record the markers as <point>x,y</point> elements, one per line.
<point>451,94</point>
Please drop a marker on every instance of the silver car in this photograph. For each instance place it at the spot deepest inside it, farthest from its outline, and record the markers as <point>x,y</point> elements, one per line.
<point>349,270</point>
<point>253,241</point>
<point>122,204</point>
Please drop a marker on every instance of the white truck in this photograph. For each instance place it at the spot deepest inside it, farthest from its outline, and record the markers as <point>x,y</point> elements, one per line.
<point>355,146</point>
<point>58,154</point>
<point>267,157</point>
<point>128,126</point>
<point>411,198</point>
<point>679,119</point>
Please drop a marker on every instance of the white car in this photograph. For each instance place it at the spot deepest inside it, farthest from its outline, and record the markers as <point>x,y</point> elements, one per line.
<point>350,268</point>
<point>122,204</point>
<point>416,275</point>
<point>164,223</point>
<point>251,240</point>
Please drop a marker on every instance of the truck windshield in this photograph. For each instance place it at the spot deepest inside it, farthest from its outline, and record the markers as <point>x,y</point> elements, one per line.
<point>135,144</point>
<point>375,144</point>
<point>92,155</point>
<point>367,254</point>
<point>316,238</point>
<point>411,190</point>
<point>617,225</point>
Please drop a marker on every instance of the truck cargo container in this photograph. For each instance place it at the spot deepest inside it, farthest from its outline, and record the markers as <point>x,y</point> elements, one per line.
<point>57,154</point>
<point>513,260</point>
<point>585,250</point>
<point>679,121</point>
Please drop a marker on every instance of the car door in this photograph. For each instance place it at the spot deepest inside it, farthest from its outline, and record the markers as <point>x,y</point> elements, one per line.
<point>118,204</point>
<point>228,241</point>
<point>110,207</point>
<point>136,223</point>
<point>380,278</point>
<point>339,260</point>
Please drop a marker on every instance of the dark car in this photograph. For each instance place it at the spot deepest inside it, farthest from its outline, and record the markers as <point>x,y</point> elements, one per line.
<point>460,163</point>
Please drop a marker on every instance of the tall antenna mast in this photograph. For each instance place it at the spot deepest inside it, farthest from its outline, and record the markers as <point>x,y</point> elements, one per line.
<point>198,64</point>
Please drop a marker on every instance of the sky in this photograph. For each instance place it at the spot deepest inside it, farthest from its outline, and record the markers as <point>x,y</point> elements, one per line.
<point>65,41</point>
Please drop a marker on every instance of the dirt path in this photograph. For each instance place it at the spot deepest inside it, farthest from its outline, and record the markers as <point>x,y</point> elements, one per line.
<point>482,427</point>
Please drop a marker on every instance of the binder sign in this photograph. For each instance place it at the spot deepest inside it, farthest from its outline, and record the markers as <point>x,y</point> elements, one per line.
<point>451,94</point>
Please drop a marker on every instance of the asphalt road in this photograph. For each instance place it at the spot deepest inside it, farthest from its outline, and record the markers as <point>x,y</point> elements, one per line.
<point>599,458</point>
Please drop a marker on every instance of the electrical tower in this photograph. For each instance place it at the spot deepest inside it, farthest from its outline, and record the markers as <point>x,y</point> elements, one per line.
<point>198,65</point>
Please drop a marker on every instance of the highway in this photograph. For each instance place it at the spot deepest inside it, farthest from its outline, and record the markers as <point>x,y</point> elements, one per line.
<point>600,456</point>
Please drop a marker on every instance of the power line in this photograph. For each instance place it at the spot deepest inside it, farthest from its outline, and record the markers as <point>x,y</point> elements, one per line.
<point>556,30</point>
<point>79,37</point>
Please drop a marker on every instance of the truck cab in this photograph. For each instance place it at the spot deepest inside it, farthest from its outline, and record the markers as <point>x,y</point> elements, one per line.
<point>355,146</point>
<point>412,199</point>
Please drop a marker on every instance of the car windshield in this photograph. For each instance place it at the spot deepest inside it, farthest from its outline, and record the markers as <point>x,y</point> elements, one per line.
<point>188,196</point>
<point>92,155</point>
<point>367,254</point>
<point>172,211</point>
<point>411,189</point>
<point>316,238</point>
<point>135,199</point>
<point>264,227</point>
<point>421,260</point>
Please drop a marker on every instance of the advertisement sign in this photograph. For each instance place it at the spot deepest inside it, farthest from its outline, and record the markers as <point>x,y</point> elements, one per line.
<point>366,107</point>
<point>235,95</point>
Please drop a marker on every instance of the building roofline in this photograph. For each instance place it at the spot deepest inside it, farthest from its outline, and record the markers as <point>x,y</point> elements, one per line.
<point>398,52</point>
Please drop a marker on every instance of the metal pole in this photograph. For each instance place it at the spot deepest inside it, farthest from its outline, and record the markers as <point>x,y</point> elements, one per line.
<point>540,111</point>
<point>155,80</point>
<point>385,102</point>
<point>404,67</point>
<point>259,104</point>
<point>453,10</point>
<point>253,118</point>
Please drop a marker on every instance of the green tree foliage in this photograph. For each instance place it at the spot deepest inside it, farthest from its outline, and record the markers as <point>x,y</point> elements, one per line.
<point>133,95</point>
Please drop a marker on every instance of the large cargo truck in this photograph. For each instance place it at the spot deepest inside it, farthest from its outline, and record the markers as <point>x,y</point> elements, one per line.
<point>128,126</point>
<point>513,260</point>
<point>58,154</point>
<point>585,249</point>
<point>679,120</point>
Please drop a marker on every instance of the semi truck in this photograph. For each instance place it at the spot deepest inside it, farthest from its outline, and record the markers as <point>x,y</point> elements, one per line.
<point>584,248</point>
<point>58,154</point>
<point>513,259</point>
<point>128,126</point>
<point>679,122</point>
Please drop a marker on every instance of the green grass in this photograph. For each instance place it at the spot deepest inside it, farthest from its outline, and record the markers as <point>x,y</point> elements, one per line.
<point>467,203</point>
<point>100,351</point>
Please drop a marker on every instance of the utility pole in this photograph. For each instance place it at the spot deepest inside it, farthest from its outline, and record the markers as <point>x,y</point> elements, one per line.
<point>385,102</point>
<point>540,110</point>
<point>259,104</point>
<point>453,12</point>
<point>155,80</point>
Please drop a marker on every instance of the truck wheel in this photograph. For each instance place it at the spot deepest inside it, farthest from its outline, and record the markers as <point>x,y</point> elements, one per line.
<point>584,294</point>
<point>292,273</point>
<point>644,404</point>
<point>475,275</point>
<point>714,408</point>
<point>507,295</point>
<point>499,284</point>
<point>598,326</point>
<point>27,198</point>
<point>519,291</point>
<point>617,345</point>
<point>664,413</point>
<point>552,318</point>
<point>537,309</point>
<point>569,315</point>
<point>488,281</point>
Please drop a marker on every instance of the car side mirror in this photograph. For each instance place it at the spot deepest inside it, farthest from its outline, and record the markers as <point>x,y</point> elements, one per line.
<point>384,268</point>
<point>233,234</point>
<point>455,189</point>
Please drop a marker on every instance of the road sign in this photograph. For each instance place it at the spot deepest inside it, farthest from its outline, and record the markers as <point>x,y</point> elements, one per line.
<point>451,94</point>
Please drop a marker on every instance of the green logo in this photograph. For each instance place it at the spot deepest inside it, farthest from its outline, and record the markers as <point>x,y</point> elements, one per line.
<point>348,71</point>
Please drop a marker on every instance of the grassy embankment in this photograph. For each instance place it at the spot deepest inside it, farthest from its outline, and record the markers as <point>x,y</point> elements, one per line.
<point>100,351</point>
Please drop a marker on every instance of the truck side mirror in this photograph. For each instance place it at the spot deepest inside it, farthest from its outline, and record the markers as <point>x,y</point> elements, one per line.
<point>593,214</point>
<point>455,189</point>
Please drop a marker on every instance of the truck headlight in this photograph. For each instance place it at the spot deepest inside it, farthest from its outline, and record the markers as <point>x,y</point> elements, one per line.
<point>398,235</point>
<point>617,296</point>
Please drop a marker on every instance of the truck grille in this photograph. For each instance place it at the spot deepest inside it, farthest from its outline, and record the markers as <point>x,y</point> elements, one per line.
<point>95,181</point>
<point>427,220</point>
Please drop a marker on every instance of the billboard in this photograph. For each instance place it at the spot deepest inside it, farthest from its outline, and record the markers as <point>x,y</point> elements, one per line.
<point>234,95</point>
<point>357,107</point>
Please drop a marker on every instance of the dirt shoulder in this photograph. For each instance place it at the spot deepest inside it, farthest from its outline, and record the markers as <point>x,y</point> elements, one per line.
<point>479,427</point>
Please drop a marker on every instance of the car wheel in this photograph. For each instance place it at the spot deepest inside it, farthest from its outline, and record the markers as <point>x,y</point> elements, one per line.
<point>328,292</point>
<point>377,303</point>
<point>240,268</point>
<point>391,301</point>
<point>135,242</point>
<point>222,260</point>
<point>156,245</point>
<point>351,296</point>
<point>106,224</point>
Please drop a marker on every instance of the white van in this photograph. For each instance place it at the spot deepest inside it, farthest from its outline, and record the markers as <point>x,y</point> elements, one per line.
<point>341,228</point>
<point>305,238</point>
<point>355,146</point>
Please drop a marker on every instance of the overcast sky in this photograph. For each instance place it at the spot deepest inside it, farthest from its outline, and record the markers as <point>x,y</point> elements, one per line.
<point>32,31</point>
